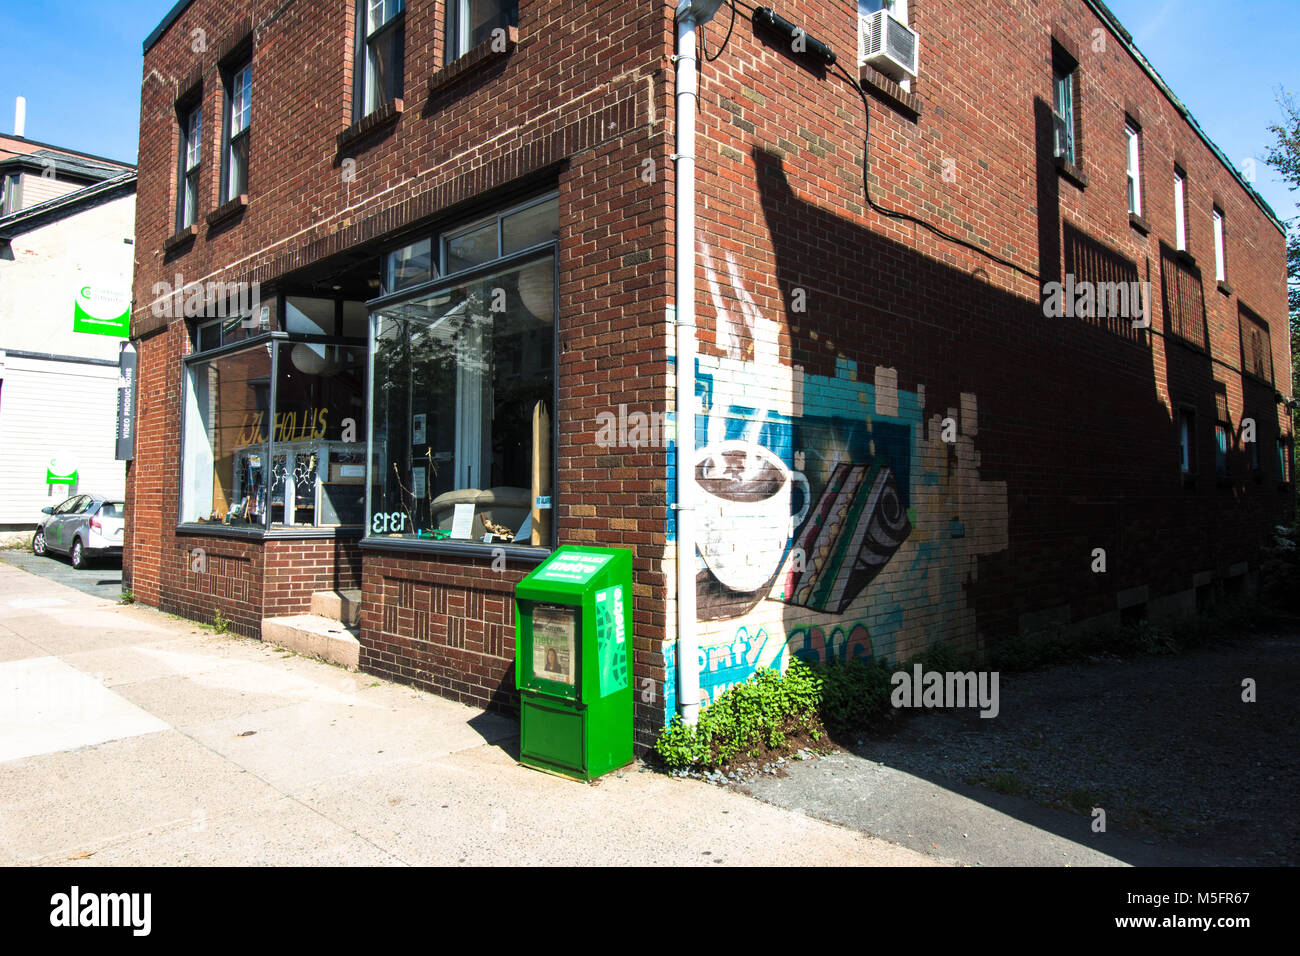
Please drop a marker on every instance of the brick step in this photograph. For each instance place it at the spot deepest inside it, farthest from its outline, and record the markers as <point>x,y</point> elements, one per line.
<point>315,636</point>
<point>344,606</point>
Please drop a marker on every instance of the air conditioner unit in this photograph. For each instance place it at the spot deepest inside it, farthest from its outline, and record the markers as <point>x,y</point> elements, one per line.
<point>888,44</point>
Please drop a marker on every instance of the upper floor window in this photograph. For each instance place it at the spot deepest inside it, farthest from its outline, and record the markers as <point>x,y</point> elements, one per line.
<point>1180,210</point>
<point>1186,439</point>
<point>1063,111</point>
<point>1133,144</point>
<point>381,53</point>
<point>187,193</point>
<point>471,22</point>
<point>234,147</point>
<point>1220,269</point>
<point>11,200</point>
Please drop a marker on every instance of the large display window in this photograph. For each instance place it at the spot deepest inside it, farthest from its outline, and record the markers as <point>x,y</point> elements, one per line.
<point>462,401</point>
<point>274,437</point>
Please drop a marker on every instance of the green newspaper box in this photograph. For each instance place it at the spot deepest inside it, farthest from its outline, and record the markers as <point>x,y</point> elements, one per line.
<point>573,662</point>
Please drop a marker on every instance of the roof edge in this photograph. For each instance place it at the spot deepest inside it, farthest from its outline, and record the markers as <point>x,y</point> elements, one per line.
<point>1109,19</point>
<point>167,21</point>
<point>60,207</point>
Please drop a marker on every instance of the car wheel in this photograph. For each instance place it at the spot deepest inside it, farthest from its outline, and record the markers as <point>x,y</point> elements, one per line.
<point>38,543</point>
<point>78,556</point>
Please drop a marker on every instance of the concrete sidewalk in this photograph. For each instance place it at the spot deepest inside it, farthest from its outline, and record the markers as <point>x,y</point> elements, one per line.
<point>128,737</point>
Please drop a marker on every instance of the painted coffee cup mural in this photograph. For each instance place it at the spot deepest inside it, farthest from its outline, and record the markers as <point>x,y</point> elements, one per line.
<point>744,502</point>
<point>834,518</point>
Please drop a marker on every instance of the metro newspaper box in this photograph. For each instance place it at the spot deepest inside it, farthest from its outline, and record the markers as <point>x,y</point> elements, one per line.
<point>573,660</point>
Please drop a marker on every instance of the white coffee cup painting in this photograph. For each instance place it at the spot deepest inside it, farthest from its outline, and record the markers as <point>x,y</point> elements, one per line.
<point>743,508</point>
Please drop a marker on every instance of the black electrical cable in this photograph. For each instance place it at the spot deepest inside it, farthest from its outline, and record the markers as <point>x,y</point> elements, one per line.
<point>908,217</point>
<point>725,40</point>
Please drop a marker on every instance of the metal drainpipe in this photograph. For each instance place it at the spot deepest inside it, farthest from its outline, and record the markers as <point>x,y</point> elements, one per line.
<point>688,672</point>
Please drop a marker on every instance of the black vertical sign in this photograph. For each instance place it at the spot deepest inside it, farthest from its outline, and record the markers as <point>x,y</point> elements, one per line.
<point>126,403</point>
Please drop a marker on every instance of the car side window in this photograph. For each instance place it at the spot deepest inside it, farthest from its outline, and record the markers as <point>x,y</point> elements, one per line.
<point>67,506</point>
<point>83,505</point>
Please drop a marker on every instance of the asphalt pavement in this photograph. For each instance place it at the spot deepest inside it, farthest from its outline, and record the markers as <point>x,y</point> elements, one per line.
<point>103,577</point>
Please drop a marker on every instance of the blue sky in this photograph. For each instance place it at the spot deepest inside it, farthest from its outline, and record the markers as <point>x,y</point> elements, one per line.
<point>78,62</point>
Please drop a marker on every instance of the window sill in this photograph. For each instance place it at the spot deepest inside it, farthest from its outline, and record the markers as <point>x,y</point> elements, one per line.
<point>1186,258</point>
<point>1073,173</point>
<point>1137,222</point>
<point>1224,287</point>
<point>385,115</point>
<point>228,210</point>
<point>888,90</point>
<point>485,52</point>
<point>467,549</point>
<point>217,530</point>
<point>181,237</point>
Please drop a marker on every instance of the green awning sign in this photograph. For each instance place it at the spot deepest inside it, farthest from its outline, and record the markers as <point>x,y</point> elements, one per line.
<point>101,311</point>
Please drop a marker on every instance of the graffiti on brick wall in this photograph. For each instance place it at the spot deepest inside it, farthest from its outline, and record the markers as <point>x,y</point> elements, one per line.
<point>836,517</point>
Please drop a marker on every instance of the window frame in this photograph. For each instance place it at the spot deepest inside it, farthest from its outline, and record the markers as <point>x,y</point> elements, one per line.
<point>1065,72</point>
<point>1220,246</point>
<point>231,140</point>
<point>1180,209</point>
<point>392,29</point>
<point>190,121</point>
<point>1133,165</point>
<point>1187,441</point>
<point>455,13</point>
<point>274,341</point>
<point>442,281</point>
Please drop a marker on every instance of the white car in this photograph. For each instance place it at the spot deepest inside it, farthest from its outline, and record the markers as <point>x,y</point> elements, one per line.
<point>83,527</point>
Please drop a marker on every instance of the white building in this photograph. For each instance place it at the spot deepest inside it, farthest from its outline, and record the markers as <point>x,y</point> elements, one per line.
<point>66,257</point>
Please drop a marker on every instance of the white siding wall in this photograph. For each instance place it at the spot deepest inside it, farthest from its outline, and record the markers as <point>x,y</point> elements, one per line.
<point>38,189</point>
<point>55,409</point>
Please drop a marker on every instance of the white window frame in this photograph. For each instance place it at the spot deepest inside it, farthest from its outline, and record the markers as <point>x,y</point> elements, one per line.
<point>1133,148</point>
<point>240,107</point>
<point>1220,266</point>
<point>379,17</point>
<point>1180,211</point>
<point>191,158</point>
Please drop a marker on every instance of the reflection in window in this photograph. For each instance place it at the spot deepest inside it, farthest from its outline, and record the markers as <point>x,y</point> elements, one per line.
<point>409,266</point>
<point>471,22</point>
<point>318,453</point>
<point>239,452</point>
<point>471,247</point>
<point>462,402</point>
<point>227,402</point>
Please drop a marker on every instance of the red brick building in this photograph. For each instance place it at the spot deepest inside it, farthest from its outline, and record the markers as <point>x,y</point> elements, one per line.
<point>460,220</point>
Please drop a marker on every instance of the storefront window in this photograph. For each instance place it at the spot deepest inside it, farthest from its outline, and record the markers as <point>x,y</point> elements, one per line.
<point>227,402</point>
<point>318,450</point>
<point>463,405</point>
<point>300,463</point>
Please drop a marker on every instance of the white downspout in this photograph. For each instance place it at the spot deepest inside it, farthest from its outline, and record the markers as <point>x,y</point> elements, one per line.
<point>688,671</point>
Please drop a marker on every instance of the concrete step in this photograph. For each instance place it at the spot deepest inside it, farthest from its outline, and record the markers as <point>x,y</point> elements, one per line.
<point>344,606</point>
<point>314,636</point>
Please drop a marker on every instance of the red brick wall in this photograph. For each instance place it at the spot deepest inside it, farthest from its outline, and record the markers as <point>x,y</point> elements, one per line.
<point>1074,444</point>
